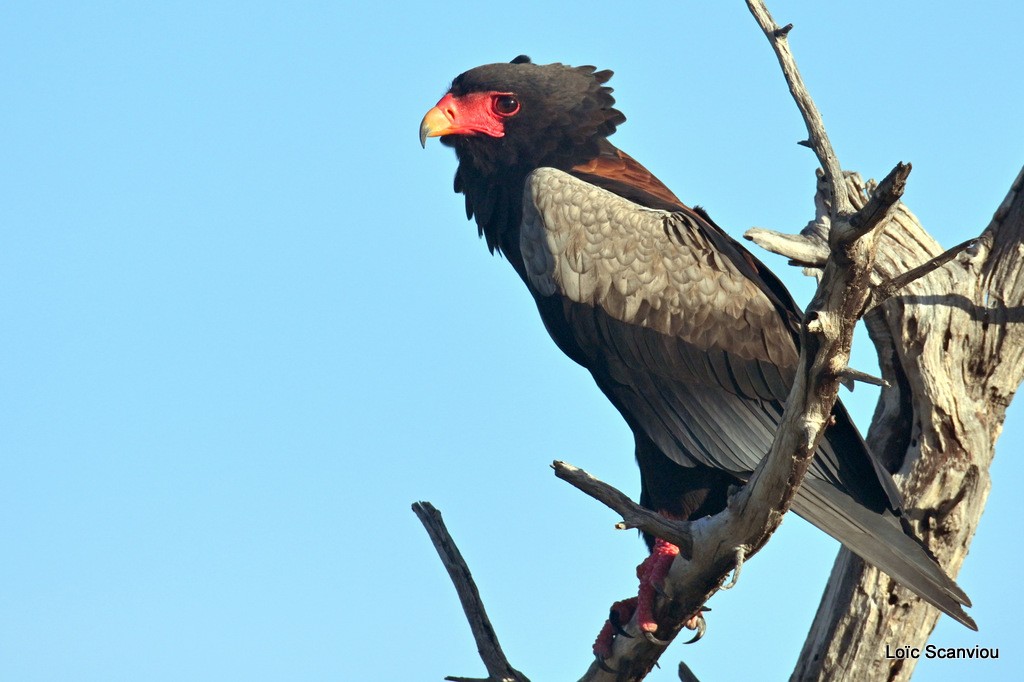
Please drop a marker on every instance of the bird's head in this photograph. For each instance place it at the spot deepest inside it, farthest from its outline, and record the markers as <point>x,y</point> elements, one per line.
<point>523,115</point>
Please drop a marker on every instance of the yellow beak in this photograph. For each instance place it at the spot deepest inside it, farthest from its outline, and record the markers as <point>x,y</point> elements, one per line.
<point>435,124</point>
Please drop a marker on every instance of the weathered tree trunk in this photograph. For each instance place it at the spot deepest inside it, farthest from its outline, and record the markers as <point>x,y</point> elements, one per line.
<point>951,347</point>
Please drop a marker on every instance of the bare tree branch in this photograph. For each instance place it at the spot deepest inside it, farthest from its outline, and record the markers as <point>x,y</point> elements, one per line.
<point>817,137</point>
<point>633,515</point>
<point>800,250</point>
<point>887,290</point>
<point>849,375</point>
<point>498,667</point>
<point>878,207</point>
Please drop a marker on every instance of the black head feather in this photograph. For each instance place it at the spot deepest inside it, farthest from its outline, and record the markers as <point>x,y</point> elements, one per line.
<point>566,112</point>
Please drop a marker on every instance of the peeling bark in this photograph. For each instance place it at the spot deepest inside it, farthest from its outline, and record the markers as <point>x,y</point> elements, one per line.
<point>951,347</point>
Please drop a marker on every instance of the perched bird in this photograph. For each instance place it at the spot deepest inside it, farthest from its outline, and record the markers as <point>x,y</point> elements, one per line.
<point>691,338</point>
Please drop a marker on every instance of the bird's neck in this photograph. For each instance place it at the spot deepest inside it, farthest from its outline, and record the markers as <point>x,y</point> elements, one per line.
<point>495,200</point>
<point>494,197</point>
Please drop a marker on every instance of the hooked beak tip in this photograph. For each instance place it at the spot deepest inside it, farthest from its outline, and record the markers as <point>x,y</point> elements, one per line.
<point>434,124</point>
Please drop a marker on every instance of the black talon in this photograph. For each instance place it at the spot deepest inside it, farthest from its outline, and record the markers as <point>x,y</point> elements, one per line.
<point>654,640</point>
<point>702,628</point>
<point>616,623</point>
<point>605,667</point>
<point>619,632</point>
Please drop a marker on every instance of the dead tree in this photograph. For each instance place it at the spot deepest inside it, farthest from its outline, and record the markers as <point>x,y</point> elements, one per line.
<point>950,347</point>
<point>946,328</point>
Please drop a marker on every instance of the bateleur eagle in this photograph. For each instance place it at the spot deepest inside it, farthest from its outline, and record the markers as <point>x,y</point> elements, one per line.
<point>692,339</point>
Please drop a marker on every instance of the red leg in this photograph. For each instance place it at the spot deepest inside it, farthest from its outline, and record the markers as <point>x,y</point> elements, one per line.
<point>619,614</point>
<point>652,573</point>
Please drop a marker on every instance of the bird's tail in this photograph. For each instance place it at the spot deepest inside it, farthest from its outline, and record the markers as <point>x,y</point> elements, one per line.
<point>880,540</point>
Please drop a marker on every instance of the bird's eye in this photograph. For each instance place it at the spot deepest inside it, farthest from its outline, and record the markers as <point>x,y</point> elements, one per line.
<point>505,105</point>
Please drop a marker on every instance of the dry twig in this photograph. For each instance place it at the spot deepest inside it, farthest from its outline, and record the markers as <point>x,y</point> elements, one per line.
<point>498,667</point>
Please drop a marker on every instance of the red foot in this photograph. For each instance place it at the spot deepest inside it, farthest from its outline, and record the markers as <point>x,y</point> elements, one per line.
<point>619,614</point>
<point>652,573</point>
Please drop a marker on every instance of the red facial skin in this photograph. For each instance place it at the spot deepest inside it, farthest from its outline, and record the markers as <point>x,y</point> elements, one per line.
<point>478,113</point>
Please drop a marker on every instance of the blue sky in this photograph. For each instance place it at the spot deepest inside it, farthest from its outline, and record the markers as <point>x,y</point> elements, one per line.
<point>246,325</point>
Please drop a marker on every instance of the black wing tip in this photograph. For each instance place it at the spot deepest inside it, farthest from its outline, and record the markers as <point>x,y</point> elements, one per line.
<point>954,606</point>
<point>969,622</point>
<point>959,615</point>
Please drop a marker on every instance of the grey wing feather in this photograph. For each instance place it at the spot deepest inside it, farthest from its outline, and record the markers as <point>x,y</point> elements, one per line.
<point>669,316</point>
<point>881,541</point>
